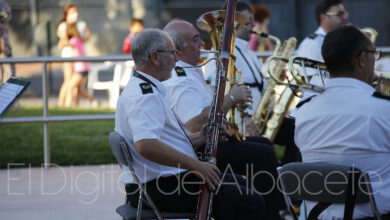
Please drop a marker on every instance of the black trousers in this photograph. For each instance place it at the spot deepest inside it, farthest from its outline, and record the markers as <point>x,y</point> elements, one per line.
<point>254,158</point>
<point>179,193</point>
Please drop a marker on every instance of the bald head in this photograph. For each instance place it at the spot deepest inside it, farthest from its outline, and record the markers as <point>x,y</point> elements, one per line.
<point>176,30</point>
<point>186,39</point>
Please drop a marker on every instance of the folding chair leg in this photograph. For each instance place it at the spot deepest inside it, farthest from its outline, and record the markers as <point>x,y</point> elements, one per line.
<point>139,208</point>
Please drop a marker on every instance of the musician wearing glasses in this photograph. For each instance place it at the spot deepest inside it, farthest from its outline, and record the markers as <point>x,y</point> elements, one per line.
<point>190,97</point>
<point>163,151</point>
<point>330,14</point>
<point>349,123</point>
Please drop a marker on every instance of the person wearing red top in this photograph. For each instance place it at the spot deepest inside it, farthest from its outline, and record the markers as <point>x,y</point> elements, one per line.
<point>136,26</point>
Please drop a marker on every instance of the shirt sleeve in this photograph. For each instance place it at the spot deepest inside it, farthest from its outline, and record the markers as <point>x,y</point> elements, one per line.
<point>210,71</point>
<point>186,102</point>
<point>146,117</point>
<point>311,50</point>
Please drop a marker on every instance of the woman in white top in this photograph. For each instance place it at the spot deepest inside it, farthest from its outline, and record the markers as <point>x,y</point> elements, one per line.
<point>67,25</point>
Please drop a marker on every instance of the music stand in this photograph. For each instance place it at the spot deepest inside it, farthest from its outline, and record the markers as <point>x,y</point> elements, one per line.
<point>10,91</point>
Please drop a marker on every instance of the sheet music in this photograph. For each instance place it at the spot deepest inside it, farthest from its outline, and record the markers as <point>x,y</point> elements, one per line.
<point>8,93</point>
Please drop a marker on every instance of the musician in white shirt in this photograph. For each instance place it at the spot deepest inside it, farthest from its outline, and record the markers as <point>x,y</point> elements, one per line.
<point>164,156</point>
<point>330,14</point>
<point>190,98</point>
<point>349,123</point>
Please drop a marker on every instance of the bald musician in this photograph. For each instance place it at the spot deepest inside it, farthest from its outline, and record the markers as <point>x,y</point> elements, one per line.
<point>190,97</point>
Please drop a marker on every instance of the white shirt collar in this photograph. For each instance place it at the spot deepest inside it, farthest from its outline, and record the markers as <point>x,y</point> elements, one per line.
<point>320,31</point>
<point>160,87</point>
<point>242,44</point>
<point>182,64</point>
<point>349,82</point>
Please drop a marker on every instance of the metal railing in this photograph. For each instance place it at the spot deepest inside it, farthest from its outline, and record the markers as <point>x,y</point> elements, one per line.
<point>46,119</point>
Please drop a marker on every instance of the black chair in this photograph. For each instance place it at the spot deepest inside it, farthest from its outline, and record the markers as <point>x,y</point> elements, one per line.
<point>326,184</point>
<point>122,153</point>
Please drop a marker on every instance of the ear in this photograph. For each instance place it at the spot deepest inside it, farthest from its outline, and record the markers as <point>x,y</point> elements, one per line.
<point>155,58</point>
<point>179,52</point>
<point>361,60</point>
<point>323,18</point>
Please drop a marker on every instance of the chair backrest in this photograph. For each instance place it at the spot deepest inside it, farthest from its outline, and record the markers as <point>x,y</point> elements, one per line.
<point>122,153</point>
<point>320,182</point>
<point>115,144</point>
<point>326,183</point>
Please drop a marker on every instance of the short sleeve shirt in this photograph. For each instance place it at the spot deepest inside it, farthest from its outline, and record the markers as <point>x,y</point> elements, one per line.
<point>347,125</point>
<point>188,94</point>
<point>250,67</point>
<point>144,114</point>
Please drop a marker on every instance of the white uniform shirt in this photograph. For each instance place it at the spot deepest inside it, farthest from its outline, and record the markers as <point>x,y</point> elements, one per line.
<point>311,48</point>
<point>147,116</point>
<point>347,125</point>
<point>188,95</point>
<point>247,74</point>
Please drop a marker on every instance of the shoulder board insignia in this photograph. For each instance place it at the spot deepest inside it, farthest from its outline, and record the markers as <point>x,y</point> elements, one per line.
<point>180,71</point>
<point>312,36</point>
<point>381,96</point>
<point>146,88</point>
<point>304,101</point>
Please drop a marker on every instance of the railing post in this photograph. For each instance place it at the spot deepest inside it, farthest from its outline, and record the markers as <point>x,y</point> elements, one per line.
<point>45,96</point>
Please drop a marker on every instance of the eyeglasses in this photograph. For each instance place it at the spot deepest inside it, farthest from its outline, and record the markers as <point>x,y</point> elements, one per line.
<point>173,52</point>
<point>377,53</point>
<point>338,14</point>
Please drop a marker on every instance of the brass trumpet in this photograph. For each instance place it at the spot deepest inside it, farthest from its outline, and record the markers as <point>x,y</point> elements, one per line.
<point>302,81</point>
<point>382,84</point>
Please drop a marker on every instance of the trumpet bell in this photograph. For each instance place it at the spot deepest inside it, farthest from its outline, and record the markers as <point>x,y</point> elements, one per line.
<point>208,21</point>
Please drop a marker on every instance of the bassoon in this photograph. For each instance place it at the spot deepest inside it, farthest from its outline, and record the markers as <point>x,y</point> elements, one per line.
<point>216,115</point>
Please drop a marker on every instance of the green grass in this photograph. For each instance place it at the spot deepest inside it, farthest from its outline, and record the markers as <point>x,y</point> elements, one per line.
<point>279,150</point>
<point>72,143</point>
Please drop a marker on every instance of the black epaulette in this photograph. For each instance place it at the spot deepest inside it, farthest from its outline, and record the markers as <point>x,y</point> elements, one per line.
<point>180,71</point>
<point>146,88</point>
<point>380,95</point>
<point>304,101</point>
<point>312,36</point>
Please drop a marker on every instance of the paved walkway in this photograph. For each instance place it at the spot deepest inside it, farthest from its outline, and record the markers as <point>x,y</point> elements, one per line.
<point>75,192</point>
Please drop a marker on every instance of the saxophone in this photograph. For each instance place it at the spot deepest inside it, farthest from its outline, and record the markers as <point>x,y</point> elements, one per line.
<point>236,115</point>
<point>383,82</point>
<point>268,116</point>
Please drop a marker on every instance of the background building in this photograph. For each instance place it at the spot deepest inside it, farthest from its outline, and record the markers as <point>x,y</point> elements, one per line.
<point>34,22</point>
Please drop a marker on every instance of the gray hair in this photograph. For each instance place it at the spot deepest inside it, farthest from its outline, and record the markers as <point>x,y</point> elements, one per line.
<point>145,43</point>
<point>177,37</point>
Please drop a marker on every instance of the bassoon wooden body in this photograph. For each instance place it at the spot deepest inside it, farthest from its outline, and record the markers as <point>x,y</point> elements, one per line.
<point>216,115</point>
